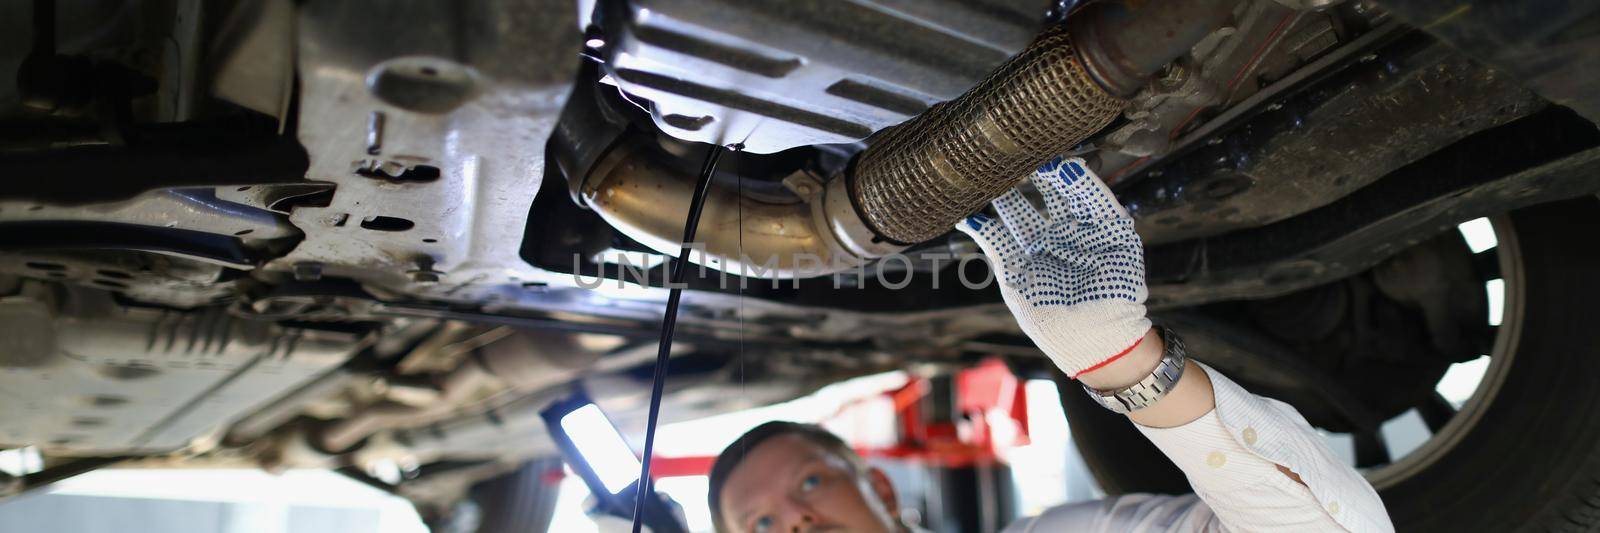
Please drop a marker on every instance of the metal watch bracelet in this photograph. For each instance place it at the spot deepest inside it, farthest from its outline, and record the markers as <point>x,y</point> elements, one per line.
<point>1174,357</point>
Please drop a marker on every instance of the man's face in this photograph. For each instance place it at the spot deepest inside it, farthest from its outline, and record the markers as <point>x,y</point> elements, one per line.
<point>788,483</point>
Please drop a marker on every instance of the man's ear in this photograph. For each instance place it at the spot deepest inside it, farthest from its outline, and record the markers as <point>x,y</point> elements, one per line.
<point>884,490</point>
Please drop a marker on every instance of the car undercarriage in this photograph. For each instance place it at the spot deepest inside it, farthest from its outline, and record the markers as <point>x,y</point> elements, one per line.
<point>383,235</point>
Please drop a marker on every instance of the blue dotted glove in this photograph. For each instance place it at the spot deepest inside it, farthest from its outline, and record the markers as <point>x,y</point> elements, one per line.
<point>1074,280</point>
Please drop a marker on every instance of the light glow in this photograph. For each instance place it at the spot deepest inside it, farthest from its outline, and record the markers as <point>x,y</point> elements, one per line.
<point>602,447</point>
<point>1479,234</point>
<point>1045,455</point>
<point>834,405</point>
<point>1496,289</point>
<point>1405,433</point>
<point>688,491</point>
<point>21,461</point>
<point>1462,379</point>
<point>264,502</point>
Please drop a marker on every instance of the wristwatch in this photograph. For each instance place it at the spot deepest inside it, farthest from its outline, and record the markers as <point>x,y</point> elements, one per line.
<point>1144,393</point>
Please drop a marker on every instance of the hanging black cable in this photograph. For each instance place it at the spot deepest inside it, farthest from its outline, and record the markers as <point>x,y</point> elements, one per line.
<point>675,270</point>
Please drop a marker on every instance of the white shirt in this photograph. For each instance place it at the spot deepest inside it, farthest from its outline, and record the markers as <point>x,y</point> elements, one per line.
<point>1231,457</point>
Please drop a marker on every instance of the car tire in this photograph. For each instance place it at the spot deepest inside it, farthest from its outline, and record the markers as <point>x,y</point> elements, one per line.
<point>1529,461</point>
<point>1121,459</point>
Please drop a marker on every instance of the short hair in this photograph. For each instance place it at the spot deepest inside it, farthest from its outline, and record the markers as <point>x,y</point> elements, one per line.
<point>734,454</point>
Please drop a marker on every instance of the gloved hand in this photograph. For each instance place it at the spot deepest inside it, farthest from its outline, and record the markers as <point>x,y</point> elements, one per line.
<point>1074,280</point>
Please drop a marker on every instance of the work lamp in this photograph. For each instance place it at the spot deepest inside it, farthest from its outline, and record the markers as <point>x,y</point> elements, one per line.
<point>594,449</point>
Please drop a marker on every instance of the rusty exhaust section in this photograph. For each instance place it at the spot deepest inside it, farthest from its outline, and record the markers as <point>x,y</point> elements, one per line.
<point>920,178</point>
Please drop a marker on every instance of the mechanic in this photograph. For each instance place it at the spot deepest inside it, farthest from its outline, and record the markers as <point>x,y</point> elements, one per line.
<point>1074,278</point>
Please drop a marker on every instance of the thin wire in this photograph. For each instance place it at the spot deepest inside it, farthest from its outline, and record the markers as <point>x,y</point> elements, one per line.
<point>669,321</point>
<point>744,395</point>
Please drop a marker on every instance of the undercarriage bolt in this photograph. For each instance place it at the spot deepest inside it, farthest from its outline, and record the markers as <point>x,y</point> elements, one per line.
<point>425,272</point>
<point>307,271</point>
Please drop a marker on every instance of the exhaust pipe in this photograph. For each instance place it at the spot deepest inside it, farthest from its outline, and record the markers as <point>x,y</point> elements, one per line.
<point>525,361</point>
<point>921,177</point>
<point>635,190</point>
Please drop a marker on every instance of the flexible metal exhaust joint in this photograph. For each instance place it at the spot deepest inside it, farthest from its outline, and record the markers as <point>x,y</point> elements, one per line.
<point>923,176</point>
<point>918,179</point>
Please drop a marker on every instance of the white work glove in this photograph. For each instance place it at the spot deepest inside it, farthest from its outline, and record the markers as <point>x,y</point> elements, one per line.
<point>1075,280</point>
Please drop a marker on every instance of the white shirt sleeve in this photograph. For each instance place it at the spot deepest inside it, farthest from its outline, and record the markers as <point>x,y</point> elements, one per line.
<point>1231,457</point>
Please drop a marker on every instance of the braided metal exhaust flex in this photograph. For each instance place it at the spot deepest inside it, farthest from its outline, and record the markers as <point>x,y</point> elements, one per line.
<point>924,175</point>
